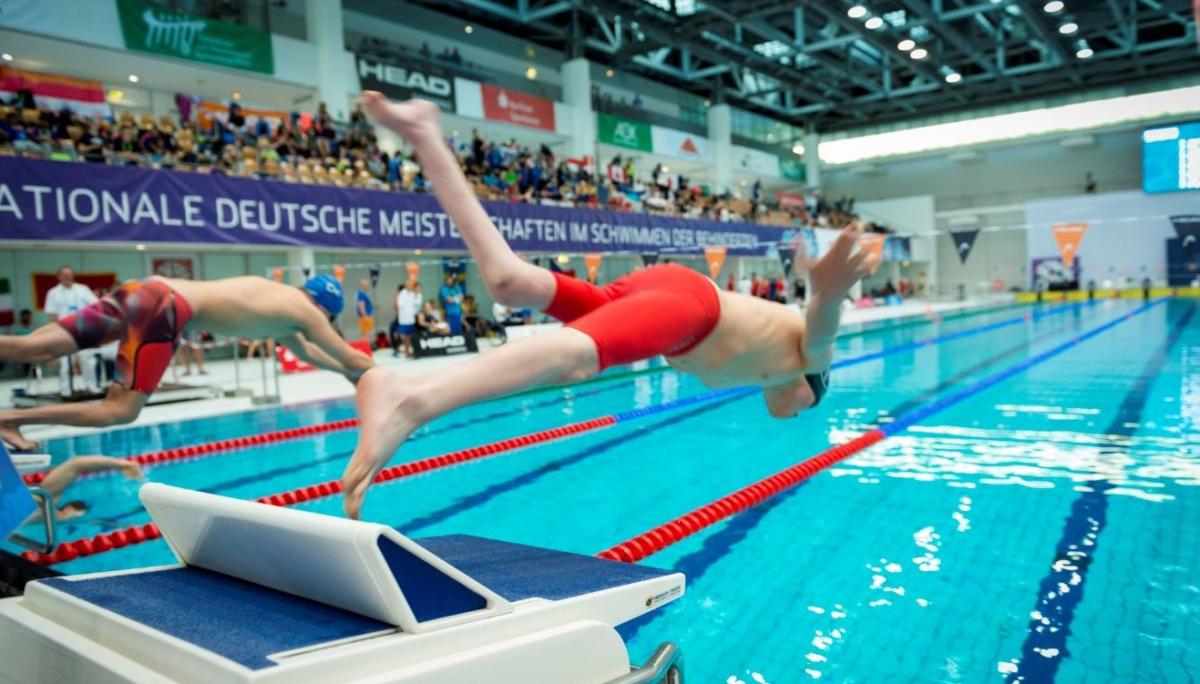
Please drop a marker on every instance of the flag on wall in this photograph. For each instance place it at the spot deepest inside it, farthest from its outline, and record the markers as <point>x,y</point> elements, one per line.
<point>1068,236</point>
<point>52,91</point>
<point>715,256</point>
<point>592,260</point>
<point>964,242</point>
<point>6,303</point>
<point>1187,227</point>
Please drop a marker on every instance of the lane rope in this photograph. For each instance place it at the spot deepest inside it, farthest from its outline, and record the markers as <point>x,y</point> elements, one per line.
<point>202,450</point>
<point>659,538</point>
<point>107,541</point>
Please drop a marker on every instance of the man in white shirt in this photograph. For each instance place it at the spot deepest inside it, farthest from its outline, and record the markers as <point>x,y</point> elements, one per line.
<point>64,299</point>
<point>408,303</point>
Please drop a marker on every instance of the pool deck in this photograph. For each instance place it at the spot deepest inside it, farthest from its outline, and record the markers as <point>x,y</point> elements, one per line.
<point>323,385</point>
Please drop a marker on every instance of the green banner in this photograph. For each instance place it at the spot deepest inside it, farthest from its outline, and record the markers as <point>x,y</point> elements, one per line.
<point>154,29</point>
<point>793,168</point>
<point>613,130</point>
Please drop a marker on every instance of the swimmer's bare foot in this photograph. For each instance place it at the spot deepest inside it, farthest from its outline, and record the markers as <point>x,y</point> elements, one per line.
<point>13,439</point>
<point>413,119</point>
<point>386,417</point>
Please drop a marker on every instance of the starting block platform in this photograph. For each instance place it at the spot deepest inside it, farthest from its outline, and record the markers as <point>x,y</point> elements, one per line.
<point>264,594</point>
<point>166,393</point>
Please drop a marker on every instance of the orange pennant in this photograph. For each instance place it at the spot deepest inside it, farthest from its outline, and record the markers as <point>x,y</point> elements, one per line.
<point>339,272</point>
<point>715,256</point>
<point>592,260</point>
<point>413,269</point>
<point>1068,236</point>
<point>873,244</point>
<point>277,274</point>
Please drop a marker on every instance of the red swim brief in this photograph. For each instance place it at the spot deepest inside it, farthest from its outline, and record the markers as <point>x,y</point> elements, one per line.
<point>665,309</point>
<point>148,318</point>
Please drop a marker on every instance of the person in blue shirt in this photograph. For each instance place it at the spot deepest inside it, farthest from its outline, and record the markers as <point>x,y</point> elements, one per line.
<point>366,310</point>
<point>451,297</point>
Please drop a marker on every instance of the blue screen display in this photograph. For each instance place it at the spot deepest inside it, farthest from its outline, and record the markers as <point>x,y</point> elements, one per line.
<point>1171,158</point>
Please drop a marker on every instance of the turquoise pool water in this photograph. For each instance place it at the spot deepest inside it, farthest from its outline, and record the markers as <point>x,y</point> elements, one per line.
<point>1043,529</point>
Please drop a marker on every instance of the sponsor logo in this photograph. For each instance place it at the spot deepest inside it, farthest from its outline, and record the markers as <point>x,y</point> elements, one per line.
<point>442,342</point>
<point>405,78</point>
<point>660,598</point>
<point>625,133</point>
<point>176,33</point>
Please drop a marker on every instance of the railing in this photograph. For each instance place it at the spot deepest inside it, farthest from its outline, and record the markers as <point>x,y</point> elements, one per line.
<point>665,666</point>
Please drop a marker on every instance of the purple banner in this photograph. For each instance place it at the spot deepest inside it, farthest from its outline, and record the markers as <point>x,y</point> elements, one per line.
<point>43,200</point>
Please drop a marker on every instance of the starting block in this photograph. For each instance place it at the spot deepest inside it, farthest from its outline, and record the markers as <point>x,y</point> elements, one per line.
<point>264,594</point>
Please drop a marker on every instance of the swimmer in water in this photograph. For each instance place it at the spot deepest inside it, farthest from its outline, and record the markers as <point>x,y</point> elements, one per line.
<point>63,476</point>
<point>724,338</point>
<point>149,318</point>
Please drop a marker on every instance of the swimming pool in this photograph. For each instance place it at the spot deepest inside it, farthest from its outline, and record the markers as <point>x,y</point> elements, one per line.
<point>1038,528</point>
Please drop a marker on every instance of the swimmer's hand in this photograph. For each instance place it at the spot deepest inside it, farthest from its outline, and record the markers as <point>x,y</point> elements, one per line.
<point>132,470</point>
<point>413,119</point>
<point>835,273</point>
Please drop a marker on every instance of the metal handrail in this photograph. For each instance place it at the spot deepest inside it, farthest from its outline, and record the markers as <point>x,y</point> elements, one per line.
<point>665,666</point>
<point>49,520</point>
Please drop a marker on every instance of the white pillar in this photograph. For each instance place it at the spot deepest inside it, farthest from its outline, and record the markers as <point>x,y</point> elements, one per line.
<point>720,139</point>
<point>336,81</point>
<point>812,160</point>
<point>299,258</point>
<point>577,95</point>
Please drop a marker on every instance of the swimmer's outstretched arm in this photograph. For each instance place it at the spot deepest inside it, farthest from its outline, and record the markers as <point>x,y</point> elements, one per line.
<point>508,279</point>
<point>832,277</point>
<point>319,344</point>
<point>63,476</point>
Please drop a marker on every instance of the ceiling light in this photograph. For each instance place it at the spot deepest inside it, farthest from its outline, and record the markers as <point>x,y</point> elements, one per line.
<point>798,148</point>
<point>906,45</point>
<point>1068,28</point>
<point>531,73</point>
<point>919,53</point>
<point>7,57</point>
<point>237,95</point>
<point>608,73</point>
<point>133,78</point>
<point>1053,6</point>
<point>1084,52</point>
<point>468,29</point>
<point>953,77</point>
<point>874,23</point>
<point>140,248</point>
<point>857,12</point>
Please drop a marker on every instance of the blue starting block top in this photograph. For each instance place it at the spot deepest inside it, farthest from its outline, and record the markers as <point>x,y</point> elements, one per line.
<point>246,623</point>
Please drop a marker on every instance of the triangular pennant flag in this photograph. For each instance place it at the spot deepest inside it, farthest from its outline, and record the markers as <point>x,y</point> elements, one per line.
<point>715,256</point>
<point>873,243</point>
<point>591,261</point>
<point>1068,236</point>
<point>689,146</point>
<point>6,303</point>
<point>649,259</point>
<point>787,256</point>
<point>306,271</point>
<point>964,242</point>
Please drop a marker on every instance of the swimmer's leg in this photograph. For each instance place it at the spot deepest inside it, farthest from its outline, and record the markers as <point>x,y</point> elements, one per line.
<point>121,405</point>
<point>509,279</point>
<point>391,406</point>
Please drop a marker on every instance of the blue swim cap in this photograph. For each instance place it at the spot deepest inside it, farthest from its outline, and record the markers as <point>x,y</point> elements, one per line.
<point>326,291</point>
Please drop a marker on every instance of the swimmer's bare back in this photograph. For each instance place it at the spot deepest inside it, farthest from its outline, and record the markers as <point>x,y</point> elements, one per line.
<point>245,306</point>
<point>256,308</point>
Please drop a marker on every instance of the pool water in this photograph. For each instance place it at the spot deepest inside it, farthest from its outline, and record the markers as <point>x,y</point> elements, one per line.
<point>1043,529</point>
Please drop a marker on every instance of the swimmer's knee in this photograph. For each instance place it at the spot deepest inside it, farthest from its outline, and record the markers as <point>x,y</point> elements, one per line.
<point>581,363</point>
<point>121,406</point>
<point>506,287</point>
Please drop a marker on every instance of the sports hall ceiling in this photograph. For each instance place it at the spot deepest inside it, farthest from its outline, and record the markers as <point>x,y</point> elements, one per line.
<point>812,62</point>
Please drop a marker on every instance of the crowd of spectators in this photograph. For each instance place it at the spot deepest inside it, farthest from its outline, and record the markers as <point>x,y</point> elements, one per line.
<point>311,148</point>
